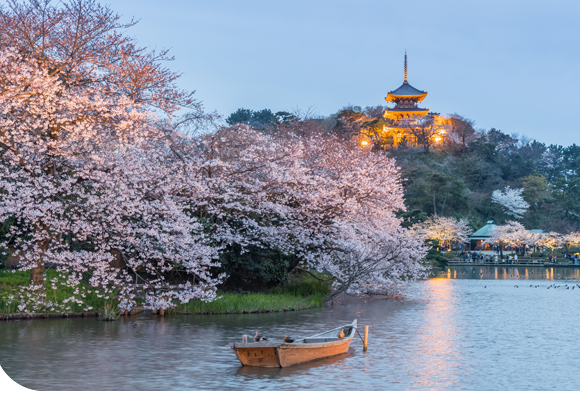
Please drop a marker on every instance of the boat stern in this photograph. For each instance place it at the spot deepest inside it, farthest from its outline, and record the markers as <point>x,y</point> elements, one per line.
<point>257,354</point>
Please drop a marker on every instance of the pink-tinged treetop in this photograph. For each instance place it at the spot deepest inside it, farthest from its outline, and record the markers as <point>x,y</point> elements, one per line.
<point>85,44</point>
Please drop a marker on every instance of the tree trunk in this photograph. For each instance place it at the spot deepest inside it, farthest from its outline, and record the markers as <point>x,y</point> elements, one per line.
<point>443,206</point>
<point>334,294</point>
<point>37,274</point>
<point>434,203</point>
<point>294,262</point>
<point>501,250</point>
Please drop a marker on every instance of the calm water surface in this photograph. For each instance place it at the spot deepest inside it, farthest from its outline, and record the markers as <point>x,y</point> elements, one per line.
<point>446,334</point>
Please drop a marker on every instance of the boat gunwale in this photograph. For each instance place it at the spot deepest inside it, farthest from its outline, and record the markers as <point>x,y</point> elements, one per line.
<point>352,325</point>
<point>282,345</point>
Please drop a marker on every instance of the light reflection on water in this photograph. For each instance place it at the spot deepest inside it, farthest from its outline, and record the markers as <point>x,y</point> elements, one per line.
<point>446,334</point>
<point>508,272</point>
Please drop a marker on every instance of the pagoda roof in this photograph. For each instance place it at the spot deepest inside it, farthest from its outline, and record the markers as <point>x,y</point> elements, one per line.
<point>406,91</point>
<point>407,109</point>
<point>401,112</point>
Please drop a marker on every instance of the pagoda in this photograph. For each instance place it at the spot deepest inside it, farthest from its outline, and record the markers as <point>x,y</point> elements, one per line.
<point>405,98</point>
<point>399,122</point>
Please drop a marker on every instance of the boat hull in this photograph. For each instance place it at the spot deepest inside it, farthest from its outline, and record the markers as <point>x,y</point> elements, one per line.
<point>303,353</point>
<point>276,355</point>
<point>285,355</point>
<point>257,355</point>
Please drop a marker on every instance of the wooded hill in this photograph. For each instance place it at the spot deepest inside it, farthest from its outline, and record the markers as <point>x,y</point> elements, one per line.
<point>455,180</point>
<point>457,177</point>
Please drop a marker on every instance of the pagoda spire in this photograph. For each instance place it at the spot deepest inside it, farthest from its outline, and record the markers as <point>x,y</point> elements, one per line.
<point>405,67</point>
<point>406,98</point>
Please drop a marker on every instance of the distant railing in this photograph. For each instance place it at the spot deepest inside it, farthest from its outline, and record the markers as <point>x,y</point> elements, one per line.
<point>534,263</point>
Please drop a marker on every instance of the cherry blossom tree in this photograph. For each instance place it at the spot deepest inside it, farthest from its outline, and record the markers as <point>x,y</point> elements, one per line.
<point>87,168</point>
<point>528,238</point>
<point>352,205</point>
<point>444,229</point>
<point>512,233</point>
<point>84,172</point>
<point>571,239</point>
<point>377,265</point>
<point>551,240</point>
<point>84,44</point>
<point>323,200</point>
<point>511,201</point>
<point>79,139</point>
<point>532,239</point>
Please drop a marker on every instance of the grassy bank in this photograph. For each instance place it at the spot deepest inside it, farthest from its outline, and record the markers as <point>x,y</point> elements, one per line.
<point>10,283</point>
<point>235,303</point>
<point>299,293</point>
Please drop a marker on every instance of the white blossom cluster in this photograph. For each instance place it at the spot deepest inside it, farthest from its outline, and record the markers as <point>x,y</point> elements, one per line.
<point>444,229</point>
<point>511,201</point>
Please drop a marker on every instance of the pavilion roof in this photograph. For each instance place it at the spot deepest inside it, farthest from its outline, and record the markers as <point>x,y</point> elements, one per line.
<point>483,232</point>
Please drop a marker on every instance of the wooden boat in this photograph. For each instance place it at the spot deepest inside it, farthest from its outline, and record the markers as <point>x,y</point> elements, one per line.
<point>279,354</point>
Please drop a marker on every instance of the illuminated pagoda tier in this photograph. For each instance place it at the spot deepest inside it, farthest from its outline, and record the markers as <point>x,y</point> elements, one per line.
<point>406,98</point>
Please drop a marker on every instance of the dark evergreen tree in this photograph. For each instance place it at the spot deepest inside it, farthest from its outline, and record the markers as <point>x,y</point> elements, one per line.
<point>241,116</point>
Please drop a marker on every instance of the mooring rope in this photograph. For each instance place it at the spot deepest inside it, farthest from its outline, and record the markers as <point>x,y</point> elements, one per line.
<point>361,339</point>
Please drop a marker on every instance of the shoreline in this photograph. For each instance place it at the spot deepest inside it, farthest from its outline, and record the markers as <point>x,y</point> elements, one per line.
<point>27,317</point>
<point>301,294</point>
<point>140,310</point>
<point>24,316</point>
<point>340,300</point>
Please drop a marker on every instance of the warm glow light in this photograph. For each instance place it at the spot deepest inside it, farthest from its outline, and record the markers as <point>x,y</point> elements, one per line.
<point>364,142</point>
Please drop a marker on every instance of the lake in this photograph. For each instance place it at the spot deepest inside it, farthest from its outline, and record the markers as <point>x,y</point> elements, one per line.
<point>464,330</point>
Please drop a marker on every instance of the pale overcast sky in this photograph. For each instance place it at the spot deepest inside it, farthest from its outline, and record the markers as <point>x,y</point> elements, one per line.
<point>512,65</point>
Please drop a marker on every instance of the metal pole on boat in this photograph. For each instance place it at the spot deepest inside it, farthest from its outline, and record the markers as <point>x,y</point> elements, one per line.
<point>366,340</point>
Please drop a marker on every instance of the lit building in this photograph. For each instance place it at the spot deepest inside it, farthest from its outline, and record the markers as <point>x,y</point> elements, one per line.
<point>477,240</point>
<point>406,117</point>
<point>405,98</point>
